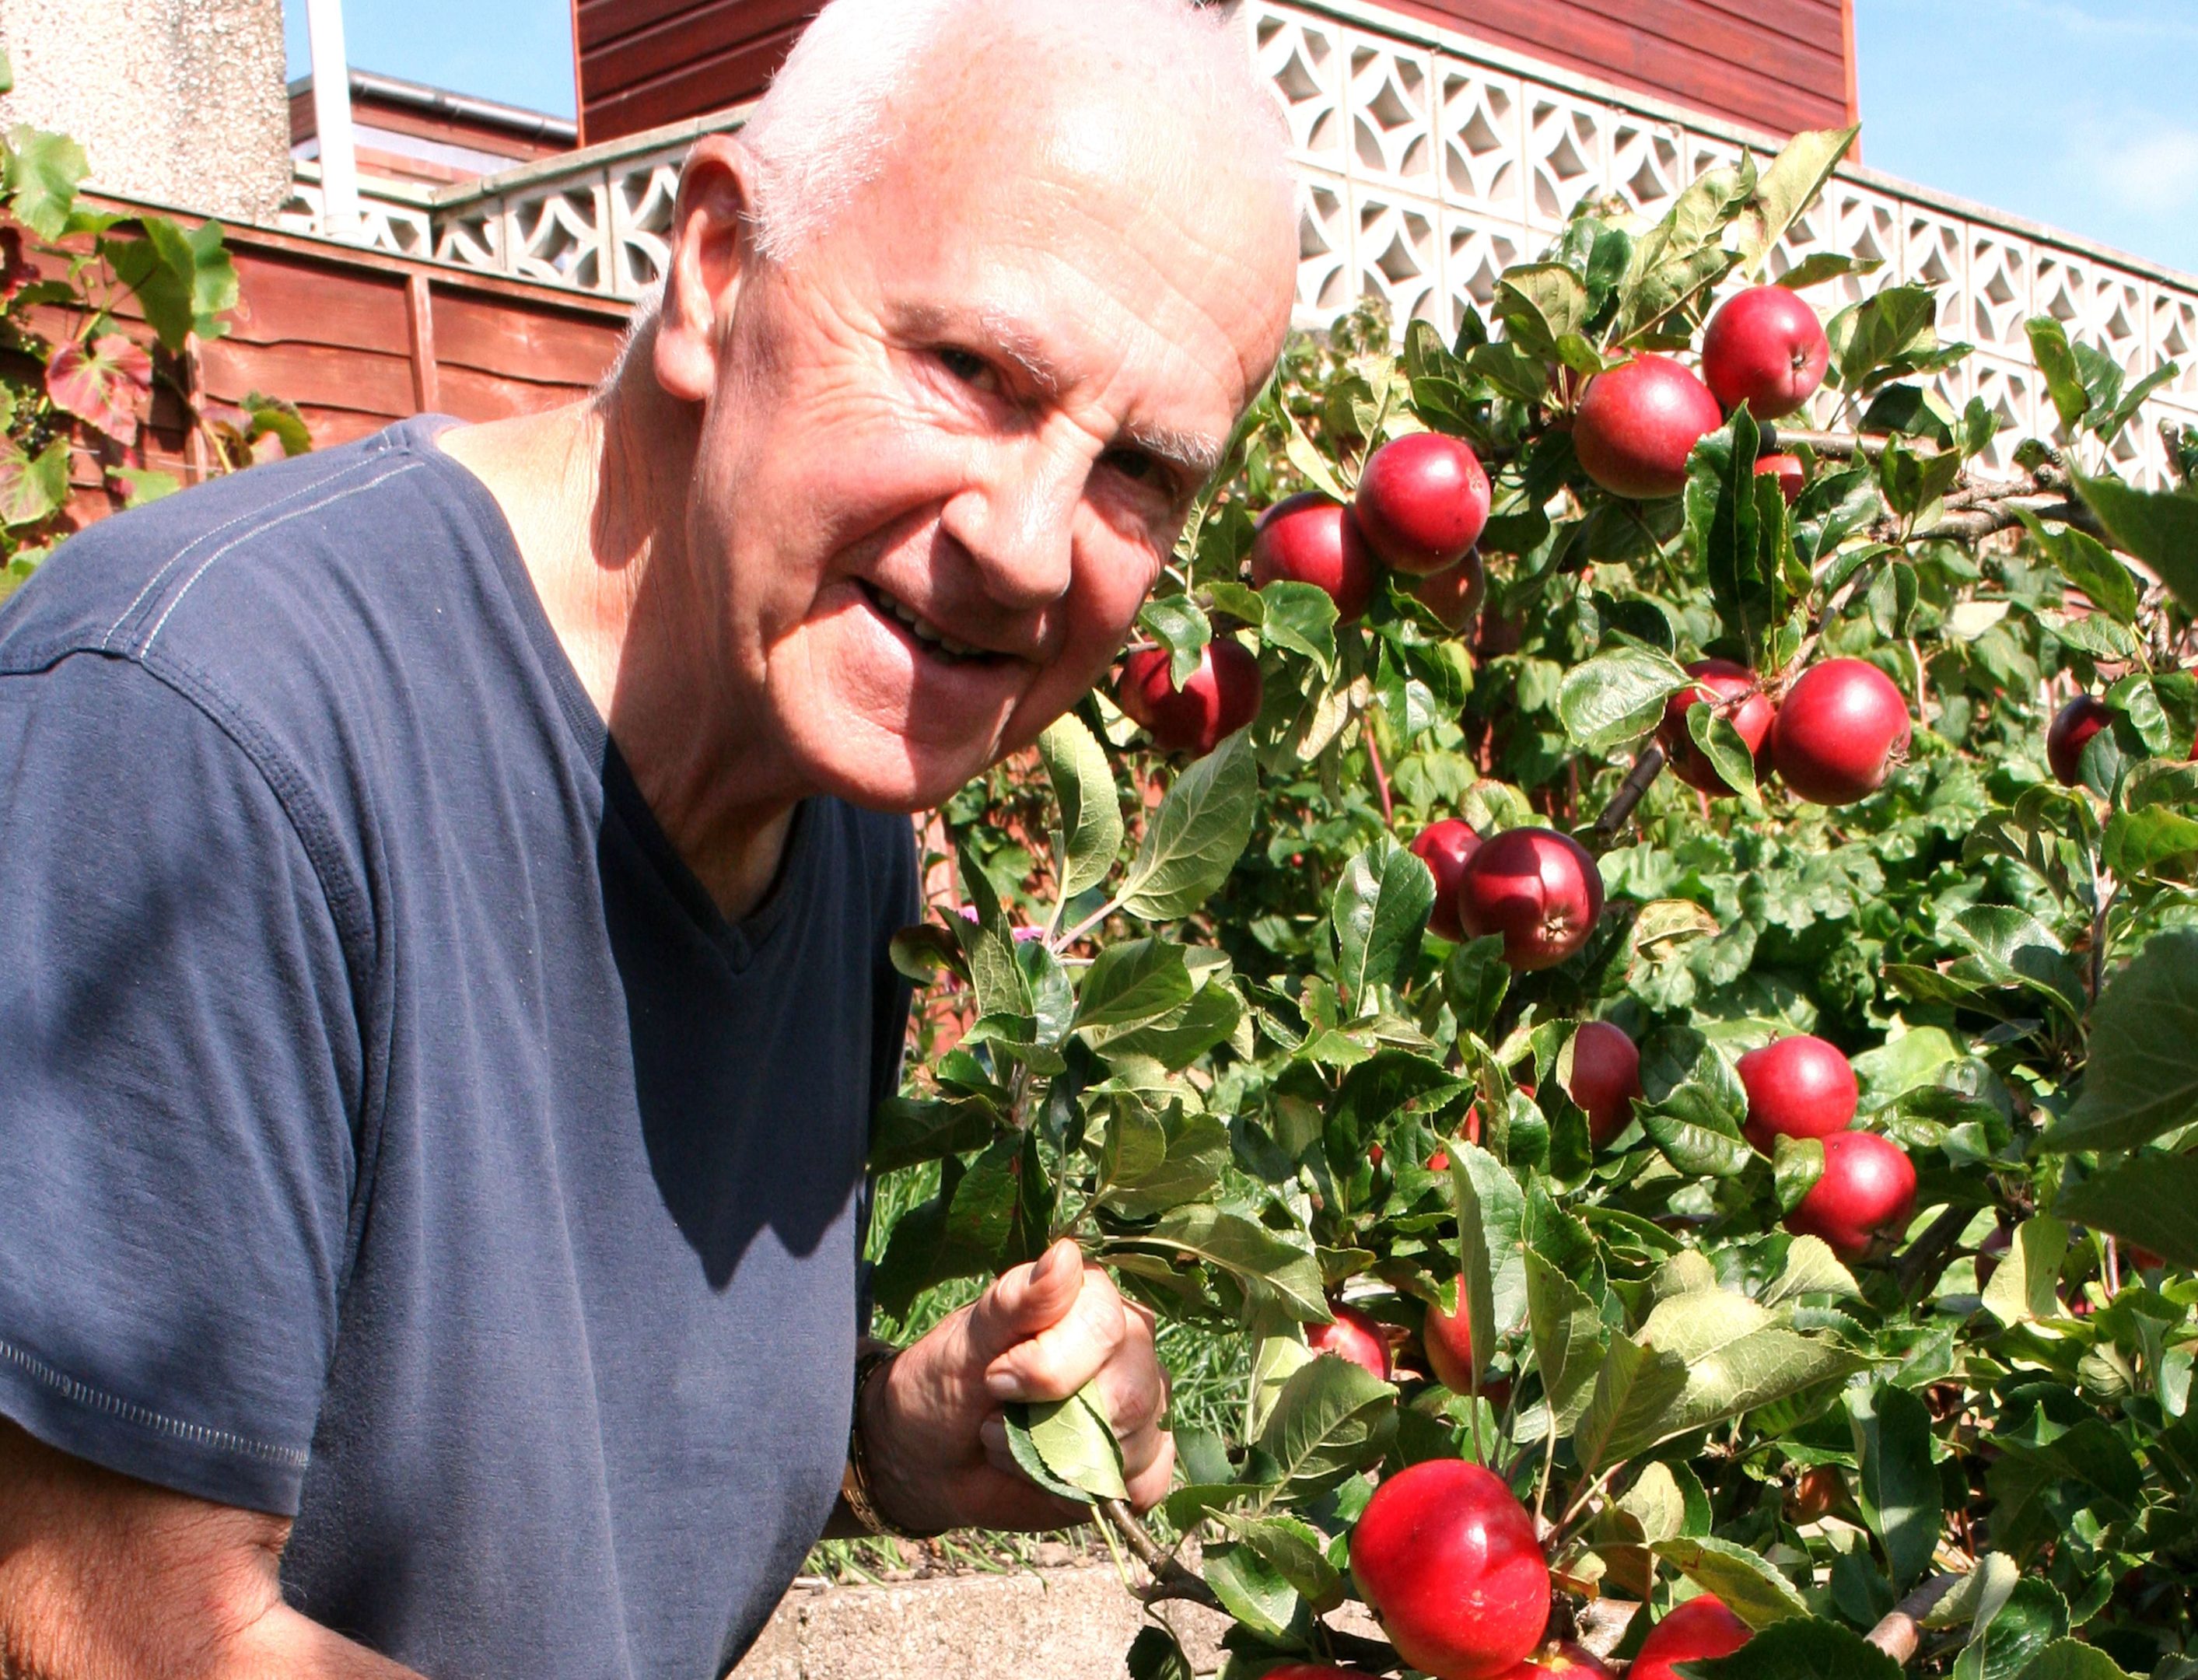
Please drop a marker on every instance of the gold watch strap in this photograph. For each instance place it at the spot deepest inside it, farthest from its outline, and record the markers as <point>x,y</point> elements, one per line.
<point>855,1481</point>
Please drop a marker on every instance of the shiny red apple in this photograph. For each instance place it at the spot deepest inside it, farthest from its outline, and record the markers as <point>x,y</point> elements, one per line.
<point>1422,500</point>
<point>1840,731</point>
<point>1309,539</point>
<point>1793,477</point>
<point>1538,889</point>
<point>1447,1559</point>
<point>1765,347</point>
<point>1562,1660</point>
<point>1864,1199</point>
<point>1353,1336</point>
<point>1638,424</point>
<point>1606,1078</point>
<point>1797,1087</point>
<point>1454,596</point>
<point>1446,847</point>
<point>1447,1339</point>
<point>1717,682</point>
<point>2070,732</point>
<point>1223,694</point>
<point>1701,1629</point>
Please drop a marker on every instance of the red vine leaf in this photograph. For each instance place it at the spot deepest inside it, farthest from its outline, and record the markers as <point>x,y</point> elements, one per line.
<point>109,385</point>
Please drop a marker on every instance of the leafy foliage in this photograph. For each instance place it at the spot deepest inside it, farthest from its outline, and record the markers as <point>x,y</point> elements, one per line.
<point>1236,1065</point>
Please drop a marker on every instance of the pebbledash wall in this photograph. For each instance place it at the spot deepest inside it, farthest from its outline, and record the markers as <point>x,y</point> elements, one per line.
<point>1429,162</point>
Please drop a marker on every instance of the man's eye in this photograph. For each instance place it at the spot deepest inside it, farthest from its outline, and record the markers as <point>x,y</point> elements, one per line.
<point>968,366</point>
<point>1136,465</point>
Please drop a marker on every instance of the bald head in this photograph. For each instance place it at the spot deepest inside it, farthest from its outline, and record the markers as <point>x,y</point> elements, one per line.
<point>1167,80</point>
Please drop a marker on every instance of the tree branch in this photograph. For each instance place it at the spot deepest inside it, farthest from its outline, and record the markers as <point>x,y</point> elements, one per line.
<point>1900,1632</point>
<point>1638,780</point>
<point>1915,1266</point>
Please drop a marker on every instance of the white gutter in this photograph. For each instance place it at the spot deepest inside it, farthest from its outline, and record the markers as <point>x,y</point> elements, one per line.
<point>340,210</point>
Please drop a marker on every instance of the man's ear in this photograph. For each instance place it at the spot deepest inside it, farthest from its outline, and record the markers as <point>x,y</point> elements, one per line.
<point>710,254</point>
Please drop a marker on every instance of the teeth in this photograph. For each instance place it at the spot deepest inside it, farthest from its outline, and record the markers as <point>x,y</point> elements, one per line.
<point>922,629</point>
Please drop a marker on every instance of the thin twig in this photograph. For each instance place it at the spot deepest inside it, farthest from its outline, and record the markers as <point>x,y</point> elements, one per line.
<point>1381,775</point>
<point>1638,780</point>
<point>1171,1580</point>
<point>1914,1268</point>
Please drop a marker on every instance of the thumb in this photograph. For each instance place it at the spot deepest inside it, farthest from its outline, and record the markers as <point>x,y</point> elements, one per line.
<point>1027,1301</point>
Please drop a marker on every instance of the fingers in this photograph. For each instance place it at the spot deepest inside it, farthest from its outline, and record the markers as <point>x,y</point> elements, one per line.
<point>1025,1301</point>
<point>1093,1336</point>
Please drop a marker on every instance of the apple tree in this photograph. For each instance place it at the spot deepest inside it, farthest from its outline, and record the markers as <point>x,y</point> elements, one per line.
<point>1628,931</point>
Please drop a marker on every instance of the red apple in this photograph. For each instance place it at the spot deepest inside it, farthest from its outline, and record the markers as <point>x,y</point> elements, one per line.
<point>1695,1631</point>
<point>1793,477</point>
<point>1353,1336</point>
<point>1311,1670</point>
<point>1817,1493</point>
<point>1839,730</point>
<point>1561,1658</point>
<point>1447,1339</point>
<point>1638,424</point>
<point>1606,1078</point>
<point>2073,727</point>
<point>1454,596</point>
<point>1309,539</point>
<point>1862,1203</point>
<point>1422,502</point>
<point>1439,1161</point>
<point>1537,888</point>
<point>1718,683</point>
<point>1765,348</point>
<point>1223,696</point>
<point>1446,847</point>
<point>1797,1087</point>
<point>1448,1561</point>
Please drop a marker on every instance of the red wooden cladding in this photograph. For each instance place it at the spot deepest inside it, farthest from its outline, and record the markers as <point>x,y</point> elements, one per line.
<point>340,334</point>
<point>1777,65</point>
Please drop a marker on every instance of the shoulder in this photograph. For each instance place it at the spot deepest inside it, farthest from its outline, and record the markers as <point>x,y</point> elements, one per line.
<point>877,860</point>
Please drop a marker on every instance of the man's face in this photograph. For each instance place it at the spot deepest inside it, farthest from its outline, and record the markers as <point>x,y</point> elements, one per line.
<point>953,441</point>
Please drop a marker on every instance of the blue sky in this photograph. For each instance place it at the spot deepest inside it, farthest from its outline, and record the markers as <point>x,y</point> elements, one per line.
<point>2079,114</point>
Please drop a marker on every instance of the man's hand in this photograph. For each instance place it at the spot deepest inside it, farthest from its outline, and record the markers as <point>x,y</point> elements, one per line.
<point>932,1428</point>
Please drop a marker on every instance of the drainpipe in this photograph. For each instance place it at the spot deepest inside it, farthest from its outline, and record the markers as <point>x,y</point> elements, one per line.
<point>340,215</point>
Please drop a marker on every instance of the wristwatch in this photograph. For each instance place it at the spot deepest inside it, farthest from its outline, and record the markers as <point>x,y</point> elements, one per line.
<point>855,1481</point>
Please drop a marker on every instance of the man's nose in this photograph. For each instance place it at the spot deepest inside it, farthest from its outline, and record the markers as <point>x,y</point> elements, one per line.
<point>1017,524</point>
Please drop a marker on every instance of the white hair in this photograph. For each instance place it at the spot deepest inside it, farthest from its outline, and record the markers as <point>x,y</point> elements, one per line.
<point>826,126</point>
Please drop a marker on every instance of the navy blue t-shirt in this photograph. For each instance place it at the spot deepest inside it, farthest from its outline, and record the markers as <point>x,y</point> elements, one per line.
<point>392,1132</point>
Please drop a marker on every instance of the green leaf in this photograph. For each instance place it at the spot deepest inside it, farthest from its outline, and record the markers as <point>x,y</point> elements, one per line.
<point>1178,625</point>
<point>1090,834</point>
<point>1179,1038</point>
<point>1802,1647</point>
<point>7,73</point>
<point>1789,186</point>
<point>2138,840</point>
<point>1898,1487</point>
<point>1380,910</point>
<point>1722,745</point>
<point>2089,564</point>
<point>2032,1617</point>
<point>1633,1390</point>
<point>1618,696</point>
<point>1811,1269</point>
<point>1156,1654</point>
<point>989,947</point>
<point>44,173</point>
<point>1491,1287</point>
<point>1261,1258</point>
<point>908,1130</point>
<point>1151,1163</point>
<point>1331,1420</point>
<point>1137,980</point>
<point>1540,303</point>
<point>1694,1106</point>
<point>1890,335</point>
<point>1076,1440</point>
<point>2026,1284</point>
<point>183,280</point>
<point>33,488</point>
<point>1300,617</point>
<point>2159,528</point>
<point>1737,1357</point>
<point>1819,266</point>
<point>2107,425</point>
<point>1296,1551</point>
<point>1257,1594</point>
<point>2142,1078</point>
<point>1796,1164</point>
<point>2150,1200</point>
<point>1568,1338</point>
<point>2056,363</point>
<point>1197,835</point>
<point>1309,460</point>
<point>2073,1660</point>
<point>1749,1587</point>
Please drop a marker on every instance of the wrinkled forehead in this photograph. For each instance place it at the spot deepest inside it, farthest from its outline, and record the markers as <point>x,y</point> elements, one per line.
<point>1105,237</point>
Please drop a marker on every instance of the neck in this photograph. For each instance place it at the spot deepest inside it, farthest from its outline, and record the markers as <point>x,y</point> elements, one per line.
<point>597,497</point>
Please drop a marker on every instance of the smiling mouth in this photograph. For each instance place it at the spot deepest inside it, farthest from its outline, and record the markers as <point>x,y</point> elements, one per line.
<point>927,637</point>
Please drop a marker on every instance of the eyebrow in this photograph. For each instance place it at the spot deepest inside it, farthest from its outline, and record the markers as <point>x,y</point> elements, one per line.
<point>1197,453</point>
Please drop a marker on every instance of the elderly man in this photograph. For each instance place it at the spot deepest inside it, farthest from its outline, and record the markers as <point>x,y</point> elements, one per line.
<point>444,882</point>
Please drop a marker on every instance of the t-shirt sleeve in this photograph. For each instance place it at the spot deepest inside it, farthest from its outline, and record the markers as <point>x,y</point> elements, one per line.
<point>179,1074</point>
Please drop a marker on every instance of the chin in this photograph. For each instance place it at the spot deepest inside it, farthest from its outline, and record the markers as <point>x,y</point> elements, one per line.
<point>880,768</point>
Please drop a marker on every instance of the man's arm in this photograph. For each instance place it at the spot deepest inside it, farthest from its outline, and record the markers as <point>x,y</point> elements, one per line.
<point>102,1577</point>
